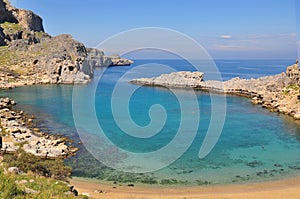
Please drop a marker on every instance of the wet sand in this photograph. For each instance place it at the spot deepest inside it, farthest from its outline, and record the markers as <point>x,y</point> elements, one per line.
<point>288,188</point>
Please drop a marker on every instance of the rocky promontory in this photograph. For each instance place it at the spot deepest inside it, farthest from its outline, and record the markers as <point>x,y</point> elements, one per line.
<point>97,58</point>
<point>175,79</point>
<point>30,56</point>
<point>279,93</point>
<point>116,60</point>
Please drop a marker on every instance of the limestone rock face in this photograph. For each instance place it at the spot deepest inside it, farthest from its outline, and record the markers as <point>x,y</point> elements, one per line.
<point>56,60</point>
<point>65,61</point>
<point>293,72</point>
<point>36,57</point>
<point>28,20</point>
<point>29,56</point>
<point>19,23</point>
<point>2,37</point>
<point>5,14</point>
<point>96,58</point>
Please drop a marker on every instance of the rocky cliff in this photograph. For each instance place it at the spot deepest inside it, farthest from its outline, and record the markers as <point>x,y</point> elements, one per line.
<point>28,55</point>
<point>27,22</point>
<point>53,60</point>
<point>98,59</point>
<point>293,72</point>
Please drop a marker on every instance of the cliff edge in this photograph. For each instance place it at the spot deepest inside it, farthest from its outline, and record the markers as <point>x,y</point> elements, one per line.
<point>29,56</point>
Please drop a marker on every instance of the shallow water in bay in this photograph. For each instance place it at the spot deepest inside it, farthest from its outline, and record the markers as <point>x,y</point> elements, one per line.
<point>255,144</point>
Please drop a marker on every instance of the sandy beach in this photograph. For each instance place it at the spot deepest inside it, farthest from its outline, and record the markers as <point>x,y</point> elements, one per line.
<point>288,188</point>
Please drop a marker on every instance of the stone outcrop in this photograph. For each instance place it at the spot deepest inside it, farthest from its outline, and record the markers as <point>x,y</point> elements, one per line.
<point>293,73</point>
<point>17,23</point>
<point>64,61</point>
<point>55,60</point>
<point>28,19</point>
<point>5,13</point>
<point>18,132</point>
<point>97,58</point>
<point>279,93</point>
<point>175,79</point>
<point>116,60</point>
<point>30,56</point>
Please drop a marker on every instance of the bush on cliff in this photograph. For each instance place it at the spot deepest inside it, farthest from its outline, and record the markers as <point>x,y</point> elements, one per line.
<point>27,162</point>
<point>18,186</point>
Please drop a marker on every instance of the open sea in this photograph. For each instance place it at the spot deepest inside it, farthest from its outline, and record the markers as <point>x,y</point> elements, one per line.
<point>254,144</point>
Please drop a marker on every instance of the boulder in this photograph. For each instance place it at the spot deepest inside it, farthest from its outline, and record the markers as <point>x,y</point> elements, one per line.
<point>14,170</point>
<point>297,116</point>
<point>31,191</point>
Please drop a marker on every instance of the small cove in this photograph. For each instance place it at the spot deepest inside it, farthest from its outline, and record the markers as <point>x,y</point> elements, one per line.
<point>238,156</point>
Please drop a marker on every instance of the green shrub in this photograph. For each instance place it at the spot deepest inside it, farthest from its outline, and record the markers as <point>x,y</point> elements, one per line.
<point>45,187</point>
<point>293,86</point>
<point>8,188</point>
<point>28,162</point>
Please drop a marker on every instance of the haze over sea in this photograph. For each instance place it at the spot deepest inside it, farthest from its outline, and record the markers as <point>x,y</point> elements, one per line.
<point>237,157</point>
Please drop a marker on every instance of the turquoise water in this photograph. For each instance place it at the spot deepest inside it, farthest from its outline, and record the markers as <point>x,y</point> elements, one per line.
<point>255,144</point>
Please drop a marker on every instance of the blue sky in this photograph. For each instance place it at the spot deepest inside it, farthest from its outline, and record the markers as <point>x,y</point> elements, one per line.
<point>227,29</point>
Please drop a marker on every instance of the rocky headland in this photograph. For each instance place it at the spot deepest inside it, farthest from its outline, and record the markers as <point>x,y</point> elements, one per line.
<point>116,60</point>
<point>279,93</point>
<point>175,79</point>
<point>30,56</point>
<point>97,58</point>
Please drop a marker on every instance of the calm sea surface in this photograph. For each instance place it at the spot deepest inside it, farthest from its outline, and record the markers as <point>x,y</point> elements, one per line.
<point>255,144</point>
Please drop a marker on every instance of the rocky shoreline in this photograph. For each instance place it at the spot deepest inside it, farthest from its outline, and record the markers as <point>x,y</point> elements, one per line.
<point>279,93</point>
<point>18,132</point>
